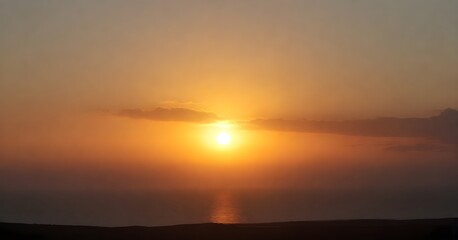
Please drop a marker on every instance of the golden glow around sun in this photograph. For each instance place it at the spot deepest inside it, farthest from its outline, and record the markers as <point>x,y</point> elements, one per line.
<point>223,138</point>
<point>221,135</point>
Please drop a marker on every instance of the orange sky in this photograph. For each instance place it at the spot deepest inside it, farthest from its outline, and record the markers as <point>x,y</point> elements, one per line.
<point>68,70</point>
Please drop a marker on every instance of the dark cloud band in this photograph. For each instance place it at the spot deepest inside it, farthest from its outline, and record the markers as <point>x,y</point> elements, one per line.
<point>443,127</point>
<point>171,114</point>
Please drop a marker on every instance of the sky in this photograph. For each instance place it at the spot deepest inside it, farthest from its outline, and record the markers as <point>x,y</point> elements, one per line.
<point>130,94</point>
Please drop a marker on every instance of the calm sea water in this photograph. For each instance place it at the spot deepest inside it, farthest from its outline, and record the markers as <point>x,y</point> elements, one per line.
<point>152,208</point>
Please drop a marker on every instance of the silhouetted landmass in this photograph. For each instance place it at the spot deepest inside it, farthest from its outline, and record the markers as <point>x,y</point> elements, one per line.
<point>316,230</point>
<point>443,127</point>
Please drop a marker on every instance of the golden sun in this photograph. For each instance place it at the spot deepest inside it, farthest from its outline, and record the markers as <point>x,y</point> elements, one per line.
<point>223,138</point>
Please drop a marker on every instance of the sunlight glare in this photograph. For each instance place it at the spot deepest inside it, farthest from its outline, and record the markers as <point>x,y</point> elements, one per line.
<point>223,138</point>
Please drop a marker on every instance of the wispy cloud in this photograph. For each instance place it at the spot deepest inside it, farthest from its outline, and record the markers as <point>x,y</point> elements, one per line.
<point>443,127</point>
<point>419,147</point>
<point>170,114</point>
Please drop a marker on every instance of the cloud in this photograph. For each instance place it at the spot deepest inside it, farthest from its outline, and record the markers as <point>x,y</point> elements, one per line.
<point>419,147</point>
<point>170,114</point>
<point>443,127</point>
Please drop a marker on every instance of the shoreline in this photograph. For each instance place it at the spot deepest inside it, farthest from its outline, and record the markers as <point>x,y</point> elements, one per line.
<point>441,228</point>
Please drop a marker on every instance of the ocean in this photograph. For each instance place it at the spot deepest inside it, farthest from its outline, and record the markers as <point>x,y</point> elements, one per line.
<point>160,207</point>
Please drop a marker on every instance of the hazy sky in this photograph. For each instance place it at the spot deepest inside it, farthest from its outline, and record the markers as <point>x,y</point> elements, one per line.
<point>241,59</point>
<point>71,71</point>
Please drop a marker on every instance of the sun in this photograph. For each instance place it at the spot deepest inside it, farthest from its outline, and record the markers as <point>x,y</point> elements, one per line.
<point>223,138</point>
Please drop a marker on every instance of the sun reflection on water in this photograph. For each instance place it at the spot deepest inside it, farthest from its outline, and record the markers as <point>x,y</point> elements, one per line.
<point>224,209</point>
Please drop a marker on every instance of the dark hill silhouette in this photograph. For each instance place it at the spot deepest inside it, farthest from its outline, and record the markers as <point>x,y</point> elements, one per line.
<point>316,230</point>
